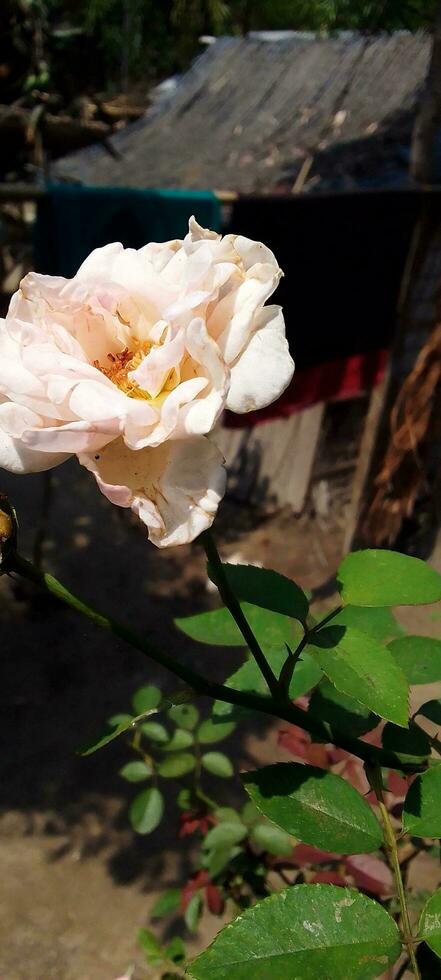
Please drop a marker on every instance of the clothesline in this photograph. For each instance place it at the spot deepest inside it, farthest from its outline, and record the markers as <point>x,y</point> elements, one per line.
<point>36,192</point>
<point>14,192</point>
<point>339,333</point>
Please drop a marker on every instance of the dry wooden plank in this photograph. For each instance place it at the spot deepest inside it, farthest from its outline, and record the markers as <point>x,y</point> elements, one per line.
<point>365,455</point>
<point>270,464</point>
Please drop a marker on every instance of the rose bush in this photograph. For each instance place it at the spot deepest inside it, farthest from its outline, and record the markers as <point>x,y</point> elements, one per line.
<point>130,364</point>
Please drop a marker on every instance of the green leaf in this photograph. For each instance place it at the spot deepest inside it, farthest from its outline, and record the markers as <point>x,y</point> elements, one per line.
<point>316,806</point>
<point>249,678</point>
<point>305,932</point>
<point>307,674</point>
<point>184,798</point>
<point>431,710</point>
<point>376,622</point>
<point>410,745</point>
<point>146,810</point>
<point>136,772</point>
<point>344,714</point>
<point>225,834</point>
<point>422,809</point>
<point>214,731</point>
<point>387,578</point>
<point>126,722</point>
<point>227,813</point>
<point>271,839</point>
<point>150,946</point>
<point>146,699</point>
<point>175,951</point>
<point>121,719</point>
<point>430,923</point>
<point>363,669</point>
<point>181,739</point>
<point>155,732</point>
<point>249,813</point>
<point>184,715</point>
<point>218,764</point>
<point>419,658</point>
<point>265,588</point>
<point>167,903</point>
<point>193,912</point>
<point>272,629</point>
<point>98,743</point>
<point>217,858</point>
<point>177,765</point>
<point>216,628</point>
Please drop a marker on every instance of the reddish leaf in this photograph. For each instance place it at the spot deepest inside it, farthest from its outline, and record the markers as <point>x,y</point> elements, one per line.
<point>336,755</point>
<point>317,755</point>
<point>397,785</point>
<point>370,873</point>
<point>199,880</point>
<point>374,737</point>
<point>302,702</point>
<point>294,740</point>
<point>298,743</point>
<point>191,821</point>
<point>354,772</point>
<point>214,899</point>
<point>371,798</point>
<point>305,854</point>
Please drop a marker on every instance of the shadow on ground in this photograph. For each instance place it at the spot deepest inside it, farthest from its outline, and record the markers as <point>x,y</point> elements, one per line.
<point>76,882</point>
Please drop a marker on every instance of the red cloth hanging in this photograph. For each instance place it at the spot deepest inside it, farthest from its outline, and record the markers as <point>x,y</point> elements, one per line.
<point>335,380</point>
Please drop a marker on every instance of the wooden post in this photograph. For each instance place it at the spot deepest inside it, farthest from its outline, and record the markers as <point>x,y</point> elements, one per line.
<point>428,120</point>
<point>377,431</point>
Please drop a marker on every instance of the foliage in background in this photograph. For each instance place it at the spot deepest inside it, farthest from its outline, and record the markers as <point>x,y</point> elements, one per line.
<point>356,667</point>
<point>72,47</point>
<point>312,822</point>
<point>68,58</point>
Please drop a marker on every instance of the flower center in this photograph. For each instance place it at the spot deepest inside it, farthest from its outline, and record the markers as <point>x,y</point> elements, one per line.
<point>121,364</point>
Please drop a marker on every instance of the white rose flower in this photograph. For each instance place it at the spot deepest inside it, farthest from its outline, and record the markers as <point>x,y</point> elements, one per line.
<point>129,365</point>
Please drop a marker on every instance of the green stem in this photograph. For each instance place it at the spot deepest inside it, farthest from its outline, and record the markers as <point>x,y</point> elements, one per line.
<point>233,604</point>
<point>201,795</point>
<point>294,655</point>
<point>326,620</point>
<point>27,570</point>
<point>289,667</point>
<point>291,713</point>
<point>390,843</point>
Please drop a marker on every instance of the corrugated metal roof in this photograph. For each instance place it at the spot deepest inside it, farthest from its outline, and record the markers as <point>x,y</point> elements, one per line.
<point>248,111</point>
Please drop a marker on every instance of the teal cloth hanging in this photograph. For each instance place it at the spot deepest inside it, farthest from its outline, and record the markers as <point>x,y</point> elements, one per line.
<point>72,220</point>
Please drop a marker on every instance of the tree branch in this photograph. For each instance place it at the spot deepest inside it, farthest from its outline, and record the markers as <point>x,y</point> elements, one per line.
<point>291,713</point>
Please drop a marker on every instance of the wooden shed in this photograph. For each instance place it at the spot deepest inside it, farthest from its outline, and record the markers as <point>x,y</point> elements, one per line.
<point>306,141</point>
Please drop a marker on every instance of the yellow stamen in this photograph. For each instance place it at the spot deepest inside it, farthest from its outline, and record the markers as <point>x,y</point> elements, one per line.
<point>121,364</point>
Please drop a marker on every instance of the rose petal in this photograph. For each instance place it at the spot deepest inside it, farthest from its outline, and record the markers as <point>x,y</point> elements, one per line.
<point>174,488</point>
<point>74,437</point>
<point>187,310</point>
<point>232,321</point>
<point>15,456</point>
<point>265,368</point>
<point>158,363</point>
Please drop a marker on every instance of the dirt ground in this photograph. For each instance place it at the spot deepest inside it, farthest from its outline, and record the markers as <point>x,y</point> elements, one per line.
<point>76,883</point>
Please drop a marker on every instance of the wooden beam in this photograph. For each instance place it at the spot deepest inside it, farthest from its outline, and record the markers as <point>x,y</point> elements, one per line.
<point>270,464</point>
<point>364,461</point>
<point>21,192</point>
<point>60,126</point>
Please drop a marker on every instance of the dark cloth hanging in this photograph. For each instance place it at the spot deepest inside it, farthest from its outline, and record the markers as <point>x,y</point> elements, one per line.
<point>72,220</point>
<point>343,258</point>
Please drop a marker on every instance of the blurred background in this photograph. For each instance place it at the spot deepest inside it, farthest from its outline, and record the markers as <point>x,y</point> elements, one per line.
<point>314,126</point>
